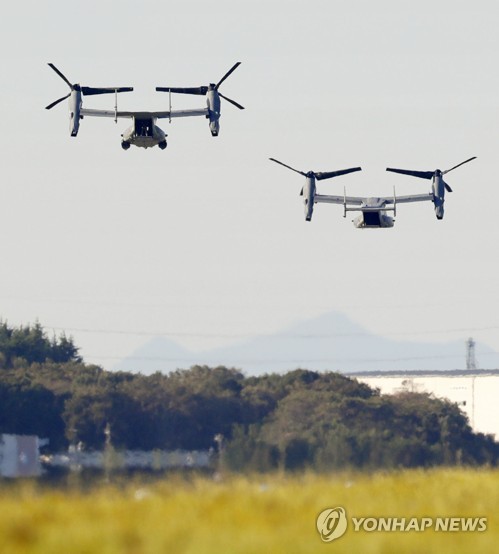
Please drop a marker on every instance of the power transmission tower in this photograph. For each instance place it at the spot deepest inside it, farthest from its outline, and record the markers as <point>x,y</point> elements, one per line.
<point>470,354</point>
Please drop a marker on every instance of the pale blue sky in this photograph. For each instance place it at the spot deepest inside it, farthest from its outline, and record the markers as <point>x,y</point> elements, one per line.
<point>208,237</point>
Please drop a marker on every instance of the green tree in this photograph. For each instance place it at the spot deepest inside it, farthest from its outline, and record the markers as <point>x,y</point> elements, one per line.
<point>25,345</point>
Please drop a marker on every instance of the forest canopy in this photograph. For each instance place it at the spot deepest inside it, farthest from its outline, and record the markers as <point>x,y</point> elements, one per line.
<point>30,344</point>
<point>289,421</point>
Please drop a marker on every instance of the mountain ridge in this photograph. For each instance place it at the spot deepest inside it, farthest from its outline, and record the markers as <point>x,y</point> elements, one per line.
<point>331,341</point>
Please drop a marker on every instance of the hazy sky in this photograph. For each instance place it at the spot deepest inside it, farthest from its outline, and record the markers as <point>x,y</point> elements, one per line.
<point>207,240</point>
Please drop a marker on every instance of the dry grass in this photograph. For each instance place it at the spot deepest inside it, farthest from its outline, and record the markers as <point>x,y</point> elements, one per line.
<point>270,514</point>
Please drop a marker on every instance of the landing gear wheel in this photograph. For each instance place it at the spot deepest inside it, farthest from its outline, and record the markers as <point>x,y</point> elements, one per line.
<point>125,145</point>
<point>162,145</point>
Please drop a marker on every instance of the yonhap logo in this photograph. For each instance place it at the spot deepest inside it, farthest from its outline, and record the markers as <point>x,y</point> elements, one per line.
<point>332,523</point>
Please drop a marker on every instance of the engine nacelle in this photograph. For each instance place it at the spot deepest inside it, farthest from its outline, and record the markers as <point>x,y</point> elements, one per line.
<point>75,104</point>
<point>308,193</point>
<point>214,110</point>
<point>438,196</point>
<point>439,210</point>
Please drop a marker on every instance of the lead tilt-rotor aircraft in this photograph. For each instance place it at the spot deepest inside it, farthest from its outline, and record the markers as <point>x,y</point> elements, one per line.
<point>144,132</point>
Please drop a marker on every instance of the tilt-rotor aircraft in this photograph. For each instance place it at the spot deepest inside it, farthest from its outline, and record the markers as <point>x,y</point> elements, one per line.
<point>373,210</point>
<point>144,132</point>
<point>438,185</point>
<point>308,190</point>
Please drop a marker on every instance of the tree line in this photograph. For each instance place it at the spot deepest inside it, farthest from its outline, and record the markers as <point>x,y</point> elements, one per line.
<point>301,419</point>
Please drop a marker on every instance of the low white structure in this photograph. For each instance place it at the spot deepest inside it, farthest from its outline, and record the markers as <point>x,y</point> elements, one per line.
<point>77,459</point>
<point>19,456</point>
<point>476,392</point>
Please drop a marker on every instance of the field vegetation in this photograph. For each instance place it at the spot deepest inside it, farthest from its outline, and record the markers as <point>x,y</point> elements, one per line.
<point>233,514</point>
<point>285,448</point>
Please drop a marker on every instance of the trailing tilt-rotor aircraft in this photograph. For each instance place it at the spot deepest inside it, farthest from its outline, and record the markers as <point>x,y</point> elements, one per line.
<point>308,190</point>
<point>144,132</point>
<point>438,185</point>
<point>373,209</point>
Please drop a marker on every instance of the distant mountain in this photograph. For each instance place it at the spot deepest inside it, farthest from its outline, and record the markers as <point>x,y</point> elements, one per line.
<point>157,354</point>
<point>328,342</point>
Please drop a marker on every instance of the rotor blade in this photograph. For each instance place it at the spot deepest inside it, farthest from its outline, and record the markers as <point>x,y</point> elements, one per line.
<point>289,167</point>
<point>447,188</point>
<point>233,68</point>
<point>63,77</point>
<point>327,175</point>
<point>231,101</point>
<point>88,91</point>
<point>420,174</point>
<point>458,165</point>
<point>50,106</point>
<point>184,90</point>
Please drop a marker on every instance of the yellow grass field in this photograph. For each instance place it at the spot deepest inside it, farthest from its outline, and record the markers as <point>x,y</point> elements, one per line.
<point>259,514</point>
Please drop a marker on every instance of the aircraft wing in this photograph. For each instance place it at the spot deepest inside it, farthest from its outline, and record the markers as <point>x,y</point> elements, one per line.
<point>410,198</point>
<point>328,199</point>
<point>144,115</point>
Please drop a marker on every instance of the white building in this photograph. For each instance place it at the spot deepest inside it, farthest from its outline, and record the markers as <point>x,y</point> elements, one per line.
<point>476,392</point>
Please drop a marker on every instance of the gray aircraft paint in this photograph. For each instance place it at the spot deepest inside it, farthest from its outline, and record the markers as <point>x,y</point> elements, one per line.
<point>213,98</point>
<point>75,102</point>
<point>135,134</point>
<point>373,209</point>
<point>214,110</point>
<point>308,192</point>
<point>309,189</point>
<point>438,185</point>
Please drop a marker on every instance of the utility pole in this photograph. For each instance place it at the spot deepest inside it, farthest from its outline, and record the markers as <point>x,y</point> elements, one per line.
<point>471,365</point>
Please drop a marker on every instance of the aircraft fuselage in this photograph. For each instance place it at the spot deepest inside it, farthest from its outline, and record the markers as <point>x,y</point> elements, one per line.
<point>144,133</point>
<point>373,215</point>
